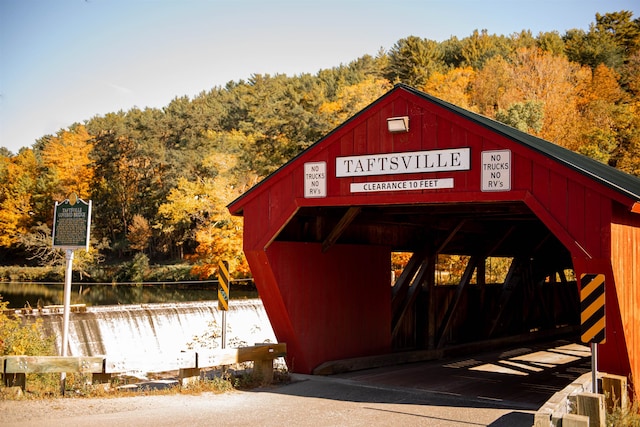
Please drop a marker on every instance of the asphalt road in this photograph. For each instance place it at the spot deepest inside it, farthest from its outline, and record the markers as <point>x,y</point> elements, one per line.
<point>494,389</point>
<point>308,401</point>
<point>525,376</point>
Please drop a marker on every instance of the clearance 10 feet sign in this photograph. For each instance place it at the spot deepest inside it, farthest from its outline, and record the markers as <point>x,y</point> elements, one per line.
<point>495,170</point>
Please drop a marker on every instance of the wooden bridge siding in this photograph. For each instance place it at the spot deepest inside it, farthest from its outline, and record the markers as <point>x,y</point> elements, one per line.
<point>476,308</point>
<point>580,208</point>
<point>531,172</point>
<point>337,302</point>
<point>625,256</point>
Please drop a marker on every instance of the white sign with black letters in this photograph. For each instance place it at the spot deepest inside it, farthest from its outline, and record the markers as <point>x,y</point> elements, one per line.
<point>496,170</point>
<point>315,179</point>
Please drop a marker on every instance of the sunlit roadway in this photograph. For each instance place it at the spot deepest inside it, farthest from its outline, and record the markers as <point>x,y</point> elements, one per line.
<point>523,364</point>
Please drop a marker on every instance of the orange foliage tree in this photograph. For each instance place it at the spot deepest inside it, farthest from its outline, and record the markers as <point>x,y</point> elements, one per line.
<point>453,86</point>
<point>352,99</point>
<point>197,211</point>
<point>69,169</point>
<point>18,178</point>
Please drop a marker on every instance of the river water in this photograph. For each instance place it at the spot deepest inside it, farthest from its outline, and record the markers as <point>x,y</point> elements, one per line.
<point>20,295</point>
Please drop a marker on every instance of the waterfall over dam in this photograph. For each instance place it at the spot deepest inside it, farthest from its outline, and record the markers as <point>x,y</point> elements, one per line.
<point>150,331</point>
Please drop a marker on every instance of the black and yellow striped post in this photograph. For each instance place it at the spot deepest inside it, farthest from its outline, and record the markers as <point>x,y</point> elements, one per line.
<point>223,296</point>
<point>592,318</point>
<point>223,285</point>
<point>592,312</point>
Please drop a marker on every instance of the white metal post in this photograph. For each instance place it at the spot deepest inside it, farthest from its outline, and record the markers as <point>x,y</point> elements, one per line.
<point>594,367</point>
<point>224,328</point>
<point>66,309</point>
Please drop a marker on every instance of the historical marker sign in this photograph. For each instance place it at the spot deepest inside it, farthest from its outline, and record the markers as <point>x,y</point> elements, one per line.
<point>71,223</point>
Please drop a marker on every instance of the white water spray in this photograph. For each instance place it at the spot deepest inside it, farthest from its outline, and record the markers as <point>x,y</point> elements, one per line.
<point>155,331</point>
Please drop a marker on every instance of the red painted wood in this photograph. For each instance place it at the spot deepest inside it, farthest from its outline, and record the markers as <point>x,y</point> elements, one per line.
<point>360,139</point>
<point>338,302</point>
<point>576,201</point>
<point>558,198</point>
<point>430,129</point>
<point>540,184</point>
<point>625,230</point>
<point>593,222</point>
<point>522,180</point>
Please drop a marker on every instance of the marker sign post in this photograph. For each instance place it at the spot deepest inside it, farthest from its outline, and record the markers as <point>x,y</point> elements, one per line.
<point>71,224</point>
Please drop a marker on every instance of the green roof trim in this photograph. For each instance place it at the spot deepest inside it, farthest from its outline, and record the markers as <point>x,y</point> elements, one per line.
<point>611,177</point>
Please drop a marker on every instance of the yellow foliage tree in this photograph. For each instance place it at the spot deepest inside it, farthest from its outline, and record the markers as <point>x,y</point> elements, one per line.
<point>351,99</point>
<point>139,233</point>
<point>532,74</point>
<point>197,210</point>
<point>453,86</point>
<point>488,86</point>
<point>220,238</point>
<point>19,175</point>
<point>66,157</point>
<point>19,339</point>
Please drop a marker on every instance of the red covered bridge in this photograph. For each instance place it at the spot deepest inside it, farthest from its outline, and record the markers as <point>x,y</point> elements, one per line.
<point>437,179</point>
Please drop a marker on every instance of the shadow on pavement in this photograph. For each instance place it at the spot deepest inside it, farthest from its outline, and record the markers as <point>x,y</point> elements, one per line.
<point>513,419</point>
<point>355,391</point>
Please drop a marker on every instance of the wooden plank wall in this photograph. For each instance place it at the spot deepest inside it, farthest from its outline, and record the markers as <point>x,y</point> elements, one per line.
<point>338,303</point>
<point>625,258</point>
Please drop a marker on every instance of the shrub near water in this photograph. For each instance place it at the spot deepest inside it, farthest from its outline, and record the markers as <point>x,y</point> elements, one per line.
<point>17,339</point>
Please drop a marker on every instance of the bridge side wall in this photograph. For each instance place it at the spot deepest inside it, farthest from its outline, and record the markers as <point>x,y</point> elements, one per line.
<point>337,302</point>
<point>625,256</point>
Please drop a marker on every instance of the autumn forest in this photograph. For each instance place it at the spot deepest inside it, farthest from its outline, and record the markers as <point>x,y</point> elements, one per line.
<point>160,179</point>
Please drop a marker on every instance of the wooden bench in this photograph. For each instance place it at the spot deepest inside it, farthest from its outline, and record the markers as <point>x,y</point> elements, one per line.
<point>189,364</point>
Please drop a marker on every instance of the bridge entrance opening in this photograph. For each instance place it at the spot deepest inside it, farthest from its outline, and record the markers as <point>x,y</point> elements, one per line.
<point>465,272</point>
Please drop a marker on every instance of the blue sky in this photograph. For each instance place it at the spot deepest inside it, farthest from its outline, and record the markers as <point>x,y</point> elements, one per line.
<point>65,61</point>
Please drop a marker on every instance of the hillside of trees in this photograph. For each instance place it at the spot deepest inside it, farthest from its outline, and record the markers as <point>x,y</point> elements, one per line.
<point>160,179</point>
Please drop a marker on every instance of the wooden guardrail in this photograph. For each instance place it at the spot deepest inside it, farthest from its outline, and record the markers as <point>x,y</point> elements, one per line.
<point>189,364</point>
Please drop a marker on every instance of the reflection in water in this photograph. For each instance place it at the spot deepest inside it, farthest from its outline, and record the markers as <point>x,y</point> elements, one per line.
<point>34,295</point>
